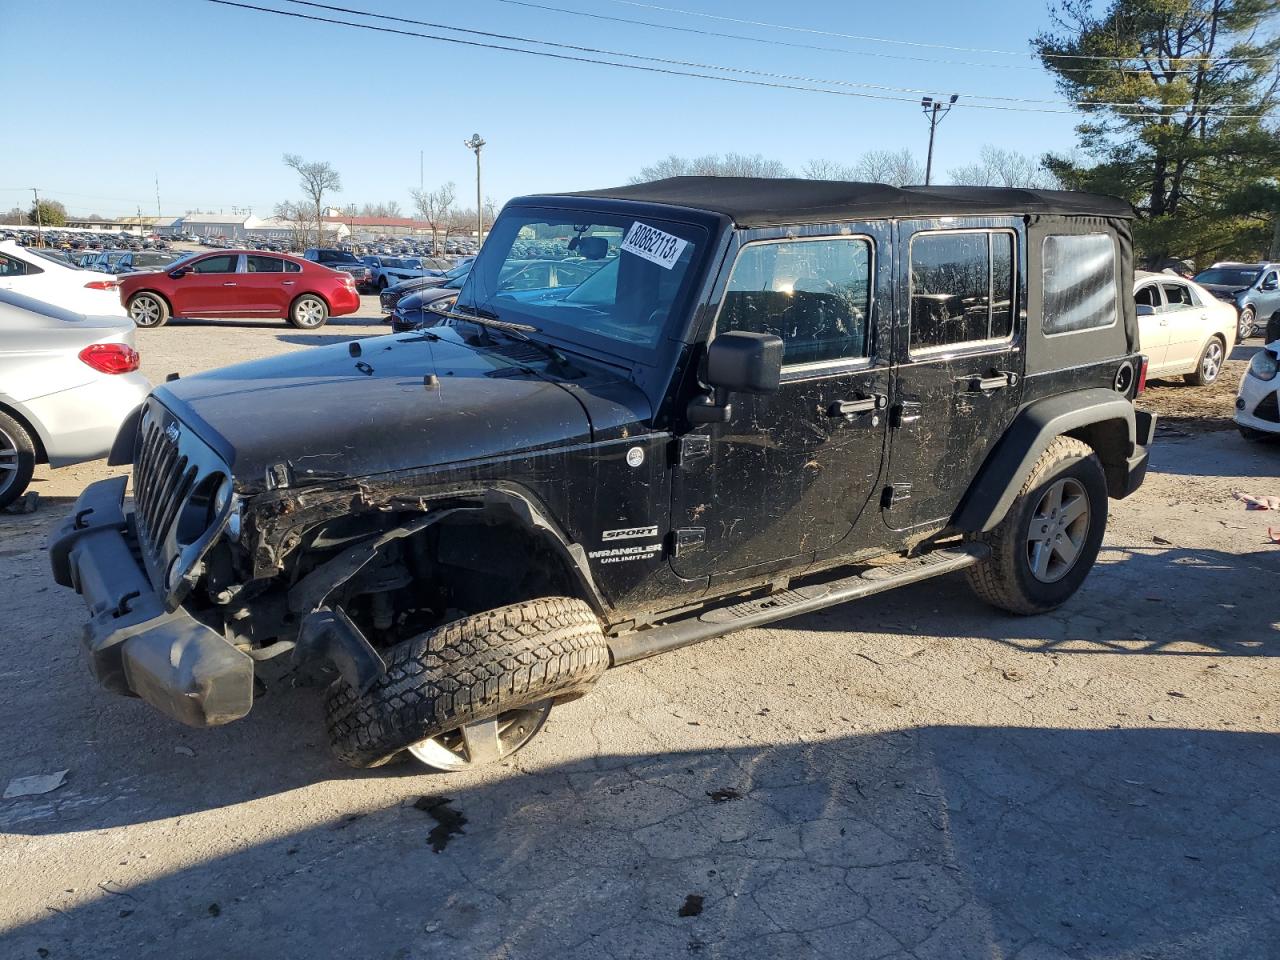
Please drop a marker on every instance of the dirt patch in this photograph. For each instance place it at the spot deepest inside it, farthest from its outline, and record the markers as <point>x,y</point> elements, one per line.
<point>1184,409</point>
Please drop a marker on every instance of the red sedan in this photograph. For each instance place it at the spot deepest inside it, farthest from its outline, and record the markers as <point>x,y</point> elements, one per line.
<point>240,283</point>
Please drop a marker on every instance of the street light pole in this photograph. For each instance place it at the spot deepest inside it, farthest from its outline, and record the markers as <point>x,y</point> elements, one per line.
<point>39,219</point>
<point>475,143</point>
<point>935,110</point>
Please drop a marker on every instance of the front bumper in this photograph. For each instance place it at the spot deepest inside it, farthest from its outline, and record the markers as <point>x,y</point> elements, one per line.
<point>136,647</point>
<point>1258,404</point>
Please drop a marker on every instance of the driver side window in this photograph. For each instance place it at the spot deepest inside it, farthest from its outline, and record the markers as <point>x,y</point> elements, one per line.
<point>814,294</point>
<point>225,263</point>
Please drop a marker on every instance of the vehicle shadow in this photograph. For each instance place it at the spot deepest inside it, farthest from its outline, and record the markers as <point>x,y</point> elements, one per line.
<point>1141,598</point>
<point>252,323</point>
<point>1218,453</point>
<point>940,842</point>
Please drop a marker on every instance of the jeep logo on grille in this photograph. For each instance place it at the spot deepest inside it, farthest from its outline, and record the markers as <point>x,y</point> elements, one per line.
<point>173,431</point>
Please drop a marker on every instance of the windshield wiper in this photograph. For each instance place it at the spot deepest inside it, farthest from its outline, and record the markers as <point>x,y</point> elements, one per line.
<point>518,331</point>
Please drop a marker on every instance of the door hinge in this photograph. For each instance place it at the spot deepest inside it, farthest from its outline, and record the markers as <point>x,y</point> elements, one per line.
<point>895,493</point>
<point>692,447</point>
<point>684,539</point>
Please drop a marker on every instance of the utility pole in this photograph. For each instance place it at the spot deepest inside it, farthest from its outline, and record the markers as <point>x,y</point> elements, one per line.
<point>139,221</point>
<point>159,215</point>
<point>475,143</point>
<point>40,220</point>
<point>935,110</point>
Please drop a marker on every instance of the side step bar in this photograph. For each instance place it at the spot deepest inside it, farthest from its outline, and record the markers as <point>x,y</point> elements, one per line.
<point>639,644</point>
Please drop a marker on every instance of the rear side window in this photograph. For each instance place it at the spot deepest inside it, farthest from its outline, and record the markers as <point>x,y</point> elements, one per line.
<point>291,267</point>
<point>1179,296</point>
<point>1079,283</point>
<point>814,294</point>
<point>12,267</point>
<point>962,288</point>
<point>264,264</point>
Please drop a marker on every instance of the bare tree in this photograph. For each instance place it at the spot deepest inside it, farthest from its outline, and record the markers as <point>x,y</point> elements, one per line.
<point>713,165</point>
<point>998,167</point>
<point>828,170</point>
<point>434,206</point>
<point>898,168</point>
<point>316,177</point>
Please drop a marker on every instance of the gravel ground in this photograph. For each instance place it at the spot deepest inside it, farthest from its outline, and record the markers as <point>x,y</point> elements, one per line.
<point>912,776</point>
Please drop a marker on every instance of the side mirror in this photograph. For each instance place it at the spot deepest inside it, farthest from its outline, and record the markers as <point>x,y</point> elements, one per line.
<point>737,362</point>
<point>1269,284</point>
<point>179,273</point>
<point>1145,310</point>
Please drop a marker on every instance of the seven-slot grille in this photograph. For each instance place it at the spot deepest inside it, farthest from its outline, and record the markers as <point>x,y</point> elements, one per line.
<point>162,480</point>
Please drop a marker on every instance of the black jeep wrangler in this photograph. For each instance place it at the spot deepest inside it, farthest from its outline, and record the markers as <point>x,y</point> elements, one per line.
<point>748,399</point>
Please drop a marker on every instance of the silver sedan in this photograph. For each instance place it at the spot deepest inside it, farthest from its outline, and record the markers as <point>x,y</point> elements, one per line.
<point>67,383</point>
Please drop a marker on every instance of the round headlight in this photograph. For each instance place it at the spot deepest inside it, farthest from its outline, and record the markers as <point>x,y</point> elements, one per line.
<point>1263,365</point>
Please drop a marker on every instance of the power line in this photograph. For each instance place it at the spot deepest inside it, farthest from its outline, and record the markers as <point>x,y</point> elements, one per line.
<point>774,41</point>
<point>739,70</point>
<point>669,71</point>
<point>769,41</point>
<point>914,43</point>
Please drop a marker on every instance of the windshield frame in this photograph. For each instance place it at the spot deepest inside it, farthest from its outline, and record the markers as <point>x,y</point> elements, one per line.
<point>575,338</point>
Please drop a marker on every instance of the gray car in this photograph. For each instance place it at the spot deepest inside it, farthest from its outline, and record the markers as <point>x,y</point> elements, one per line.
<point>1254,288</point>
<point>67,383</point>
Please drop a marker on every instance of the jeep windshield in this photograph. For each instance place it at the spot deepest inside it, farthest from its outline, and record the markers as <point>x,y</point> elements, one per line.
<point>599,279</point>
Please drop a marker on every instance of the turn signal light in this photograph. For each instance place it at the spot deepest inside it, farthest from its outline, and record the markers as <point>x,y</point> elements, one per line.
<point>102,285</point>
<point>111,357</point>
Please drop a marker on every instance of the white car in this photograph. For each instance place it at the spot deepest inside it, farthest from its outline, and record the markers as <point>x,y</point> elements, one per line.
<point>1182,327</point>
<point>43,276</point>
<point>67,383</point>
<point>1258,402</point>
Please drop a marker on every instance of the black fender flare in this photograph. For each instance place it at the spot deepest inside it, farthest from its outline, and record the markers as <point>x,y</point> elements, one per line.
<point>1102,418</point>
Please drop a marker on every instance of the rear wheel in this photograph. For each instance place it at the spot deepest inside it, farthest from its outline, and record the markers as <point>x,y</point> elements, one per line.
<point>1244,329</point>
<point>1209,365</point>
<point>308,312</point>
<point>148,310</point>
<point>17,459</point>
<point>1048,541</point>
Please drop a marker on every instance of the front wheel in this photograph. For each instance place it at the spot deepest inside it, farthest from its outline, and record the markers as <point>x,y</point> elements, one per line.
<point>148,310</point>
<point>472,691</point>
<point>1210,364</point>
<point>1048,541</point>
<point>308,312</point>
<point>1245,328</point>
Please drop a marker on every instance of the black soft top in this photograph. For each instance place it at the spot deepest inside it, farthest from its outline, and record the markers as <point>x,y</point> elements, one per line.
<point>761,202</point>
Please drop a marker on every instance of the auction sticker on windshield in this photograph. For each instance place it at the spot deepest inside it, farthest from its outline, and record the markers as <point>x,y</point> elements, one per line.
<point>654,245</point>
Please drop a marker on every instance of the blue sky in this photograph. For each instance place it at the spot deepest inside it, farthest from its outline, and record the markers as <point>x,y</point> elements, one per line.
<point>207,98</point>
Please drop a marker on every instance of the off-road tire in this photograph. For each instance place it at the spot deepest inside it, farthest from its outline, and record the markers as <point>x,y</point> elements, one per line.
<point>1005,579</point>
<point>21,456</point>
<point>468,670</point>
<point>1200,377</point>
<point>156,315</point>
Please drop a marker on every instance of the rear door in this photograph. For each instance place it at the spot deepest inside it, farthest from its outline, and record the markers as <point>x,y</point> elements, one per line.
<point>790,473</point>
<point>211,286</point>
<point>261,289</point>
<point>1187,322</point>
<point>959,361</point>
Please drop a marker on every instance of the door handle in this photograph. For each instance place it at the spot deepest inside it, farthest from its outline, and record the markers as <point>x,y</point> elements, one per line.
<point>998,380</point>
<point>847,408</point>
<point>229,283</point>
<point>287,283</point>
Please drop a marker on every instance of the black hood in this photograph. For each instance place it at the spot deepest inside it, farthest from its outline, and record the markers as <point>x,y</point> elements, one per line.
<point>330,413</point>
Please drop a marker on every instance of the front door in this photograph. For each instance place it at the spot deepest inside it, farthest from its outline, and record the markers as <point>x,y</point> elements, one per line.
<point>959,361</point>
<point>1153,327</point>
<point>210,286</point>
<point>791,472</point>
<point>1187,323</point>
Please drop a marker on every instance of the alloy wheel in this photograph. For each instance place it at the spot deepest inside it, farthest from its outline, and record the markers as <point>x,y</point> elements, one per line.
<point>309,313</point>
<point>1058,529</point>
<point>1211,362</point>
<point>144,311</point>
<point>8,461</point>
<point>1246,324</point>
<point>483,742</point>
